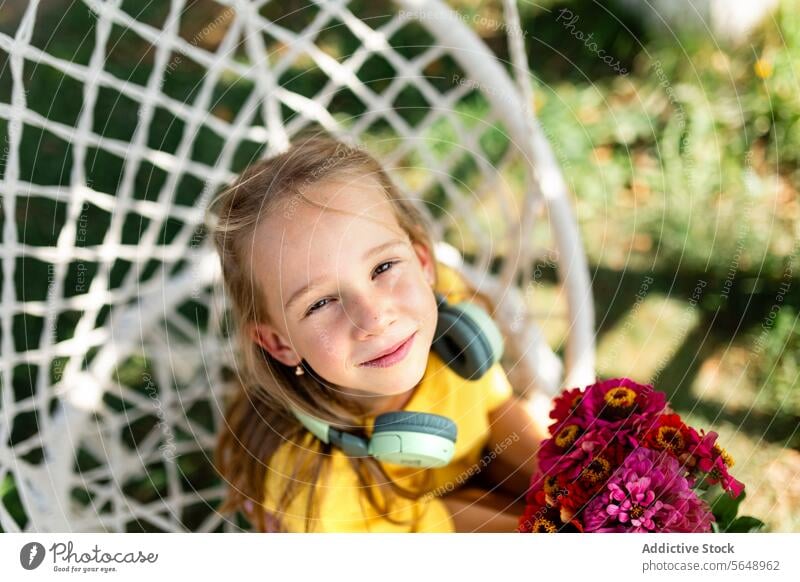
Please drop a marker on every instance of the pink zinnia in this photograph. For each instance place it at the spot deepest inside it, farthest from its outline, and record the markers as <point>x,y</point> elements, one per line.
<point>571,450</point>
<point>622,404</point>
<point>648,493</point>
<point>565,406</point>
<point>706,456</point>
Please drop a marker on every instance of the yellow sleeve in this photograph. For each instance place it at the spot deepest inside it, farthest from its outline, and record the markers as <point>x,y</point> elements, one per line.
<point>343,506</point>
<point>450,284</point>
<point>497,387</point>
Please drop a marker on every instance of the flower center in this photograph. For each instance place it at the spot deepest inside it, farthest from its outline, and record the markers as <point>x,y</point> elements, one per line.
<point>542,525</point>
<point>726,458</point>
<point>620,402</point>
<point>567,435</point>
<point>670,438</point>
<point>636,511</point>
<point>596,471</point>
<point>550,484</point>
<point>620,397</point>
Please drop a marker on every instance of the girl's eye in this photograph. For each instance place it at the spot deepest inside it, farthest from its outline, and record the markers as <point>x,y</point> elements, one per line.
<point>380,269</point>
<point>318,305</point>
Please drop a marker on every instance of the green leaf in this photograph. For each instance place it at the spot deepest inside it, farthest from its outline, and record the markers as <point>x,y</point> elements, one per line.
<point>725,508</point>
<point>707,491</point>
<point>745,524</point>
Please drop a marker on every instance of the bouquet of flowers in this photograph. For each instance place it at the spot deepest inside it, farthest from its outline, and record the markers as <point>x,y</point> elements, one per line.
<point>620,460</point>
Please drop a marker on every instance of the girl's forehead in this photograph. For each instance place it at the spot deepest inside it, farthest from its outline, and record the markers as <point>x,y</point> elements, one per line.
<point>353,194</point>
<point>344,212</point>
<point>332,224</point>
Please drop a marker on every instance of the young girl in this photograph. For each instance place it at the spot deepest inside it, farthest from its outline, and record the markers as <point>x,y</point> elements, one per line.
<point>327,269</point>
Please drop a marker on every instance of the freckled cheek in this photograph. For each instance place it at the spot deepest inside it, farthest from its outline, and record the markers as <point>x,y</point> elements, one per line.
<point>412,295</point>
<point>419,303</point>
<point>326,343</point>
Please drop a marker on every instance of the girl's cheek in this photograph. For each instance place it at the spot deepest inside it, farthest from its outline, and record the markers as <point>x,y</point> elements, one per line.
<point>423,299</point>
<point>329,334</point>
<point>410,291</point>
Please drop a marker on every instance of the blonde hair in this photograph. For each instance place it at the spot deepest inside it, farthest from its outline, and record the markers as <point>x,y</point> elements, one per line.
<point>259,418</point>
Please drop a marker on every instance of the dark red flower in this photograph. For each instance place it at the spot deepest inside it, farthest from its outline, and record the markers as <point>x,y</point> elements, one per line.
<point>566,409</point>
<point>700,445</point>
<point>620,404</point>
<point>603,448</point>
<point>571,496</point>
<point>669,434</point>
<point>541,517</point>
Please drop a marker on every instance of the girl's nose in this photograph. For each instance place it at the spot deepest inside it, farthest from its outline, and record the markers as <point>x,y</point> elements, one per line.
<point>370,316</point>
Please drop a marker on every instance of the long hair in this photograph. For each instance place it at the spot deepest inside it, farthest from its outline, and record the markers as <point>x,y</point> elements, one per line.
<point>259,419</point>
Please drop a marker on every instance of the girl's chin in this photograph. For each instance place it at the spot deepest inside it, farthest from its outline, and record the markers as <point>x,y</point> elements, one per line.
<point>397,381</point>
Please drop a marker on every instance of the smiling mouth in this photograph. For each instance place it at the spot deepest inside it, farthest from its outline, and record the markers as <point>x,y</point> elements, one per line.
<point>393,357</point>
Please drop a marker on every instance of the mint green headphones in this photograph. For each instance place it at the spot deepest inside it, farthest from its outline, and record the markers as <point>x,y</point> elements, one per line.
<point>469,342</point>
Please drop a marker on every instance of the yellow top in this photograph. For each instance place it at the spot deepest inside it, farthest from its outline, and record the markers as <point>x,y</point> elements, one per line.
<point>342,507</point>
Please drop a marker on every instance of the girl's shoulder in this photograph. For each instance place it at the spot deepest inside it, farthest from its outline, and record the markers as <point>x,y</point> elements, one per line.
<point>454,286</point>
<point>451,283</point>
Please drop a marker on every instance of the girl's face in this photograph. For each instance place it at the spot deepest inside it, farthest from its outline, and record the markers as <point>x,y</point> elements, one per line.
<point>343,288</point>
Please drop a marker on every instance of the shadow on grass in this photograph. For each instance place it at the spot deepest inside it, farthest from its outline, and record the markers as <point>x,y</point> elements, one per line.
<point>722,320</point>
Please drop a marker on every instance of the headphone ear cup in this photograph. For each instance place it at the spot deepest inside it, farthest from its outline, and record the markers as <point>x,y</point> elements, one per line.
<point>416,439</point>
<point>421,422</point>
<point>467,339</point>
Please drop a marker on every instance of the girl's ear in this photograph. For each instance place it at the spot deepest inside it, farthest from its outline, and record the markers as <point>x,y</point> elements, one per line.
<point>426,260</point>
<point>264,335</point>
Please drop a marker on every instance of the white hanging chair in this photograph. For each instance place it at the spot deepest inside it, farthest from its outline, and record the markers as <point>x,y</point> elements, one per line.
<point>111,428</point>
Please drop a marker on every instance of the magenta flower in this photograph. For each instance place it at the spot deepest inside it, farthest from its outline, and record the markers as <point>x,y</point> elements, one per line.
<point>718,473</point>
<point>570,450</point>
<point>648,493</point>
<point>621,404</point>
<point>705,455</point>
<point>565,407</point>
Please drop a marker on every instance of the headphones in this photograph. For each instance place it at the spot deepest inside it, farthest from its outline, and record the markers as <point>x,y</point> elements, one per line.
<point>469,342</point>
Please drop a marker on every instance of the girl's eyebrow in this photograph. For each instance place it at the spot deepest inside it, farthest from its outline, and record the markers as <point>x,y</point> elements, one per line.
<point>314,283</point>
